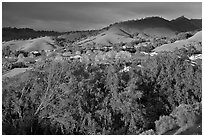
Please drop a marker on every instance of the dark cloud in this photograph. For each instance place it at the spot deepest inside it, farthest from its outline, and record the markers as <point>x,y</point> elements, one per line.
<point>75,16</point>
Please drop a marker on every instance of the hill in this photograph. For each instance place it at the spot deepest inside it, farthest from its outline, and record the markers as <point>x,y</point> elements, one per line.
<point>112,36</point>
<point>37,44</point>
<point>183,24</point>
<point>71,37</point>
<point>181,43</point>
<point>159,24</point>
<point>15,72</point>
<point>151,26</point>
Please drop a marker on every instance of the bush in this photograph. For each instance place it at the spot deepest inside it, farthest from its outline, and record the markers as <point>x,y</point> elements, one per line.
<point>164,124</point>
<point>147,49</point>
<point>185,115</point>
<point>6,51</point>
<point>6,65</point>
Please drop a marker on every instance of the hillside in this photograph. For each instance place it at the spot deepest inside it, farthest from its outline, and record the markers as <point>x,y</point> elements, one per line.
<point>152,26</point>
<point>181,43</point>
<point>15,72</point>
<point>196,37</point>
<point>112,36</point>
<point>37,44</point>
<point>183,24</point>
<point>71,37</point>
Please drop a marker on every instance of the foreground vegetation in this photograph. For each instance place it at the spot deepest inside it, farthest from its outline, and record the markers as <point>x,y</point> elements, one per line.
<point>83,98</point>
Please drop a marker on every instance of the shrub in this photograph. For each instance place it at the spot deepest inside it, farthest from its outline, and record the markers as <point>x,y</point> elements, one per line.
<point>6,51</point>
<point>185,115</point>
<point>164,124</point>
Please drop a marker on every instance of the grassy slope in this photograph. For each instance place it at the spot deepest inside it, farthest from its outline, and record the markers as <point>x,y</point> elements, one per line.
<point>179,44</point>
<point>44,43</point>
<point>15,72</point>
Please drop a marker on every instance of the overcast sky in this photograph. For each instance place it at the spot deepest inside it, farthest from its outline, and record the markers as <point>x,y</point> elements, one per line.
<point>78,16</point>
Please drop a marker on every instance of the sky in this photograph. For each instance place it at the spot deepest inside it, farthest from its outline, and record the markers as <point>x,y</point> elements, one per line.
<point>67,16</point>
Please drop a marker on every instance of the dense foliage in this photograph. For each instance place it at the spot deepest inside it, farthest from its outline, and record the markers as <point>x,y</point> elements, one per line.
<point>78,98</point>
<point>183,119</point>
<point>165,123</point>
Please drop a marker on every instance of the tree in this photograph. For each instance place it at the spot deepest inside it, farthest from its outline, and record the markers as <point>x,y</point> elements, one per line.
<point>6,51</point>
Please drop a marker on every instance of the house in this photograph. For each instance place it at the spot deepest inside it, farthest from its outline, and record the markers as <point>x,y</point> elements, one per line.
<point>144,53</point>
<point>153,53</point>
<point>194,57</point>
<point>76,57</point>
<point>66,55</point>
<point>125,69</point>
<point>77,52</point>
<point>58,58</point>
<point>124,47</point>
<point>36,53</point>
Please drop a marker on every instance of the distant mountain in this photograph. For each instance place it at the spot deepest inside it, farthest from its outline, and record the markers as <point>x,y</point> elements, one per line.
<point>197,22</point>
<point>152,26</point>
<point>158,24</point>
<point>9,33</point>
<point>183,24</point>
<point>149,25</point>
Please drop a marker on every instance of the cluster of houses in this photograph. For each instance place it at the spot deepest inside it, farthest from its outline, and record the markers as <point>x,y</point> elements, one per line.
<point>22,61</point>
<point>99,53</point>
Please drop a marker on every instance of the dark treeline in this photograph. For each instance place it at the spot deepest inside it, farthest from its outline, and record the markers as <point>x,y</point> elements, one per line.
<point>9,33</point>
